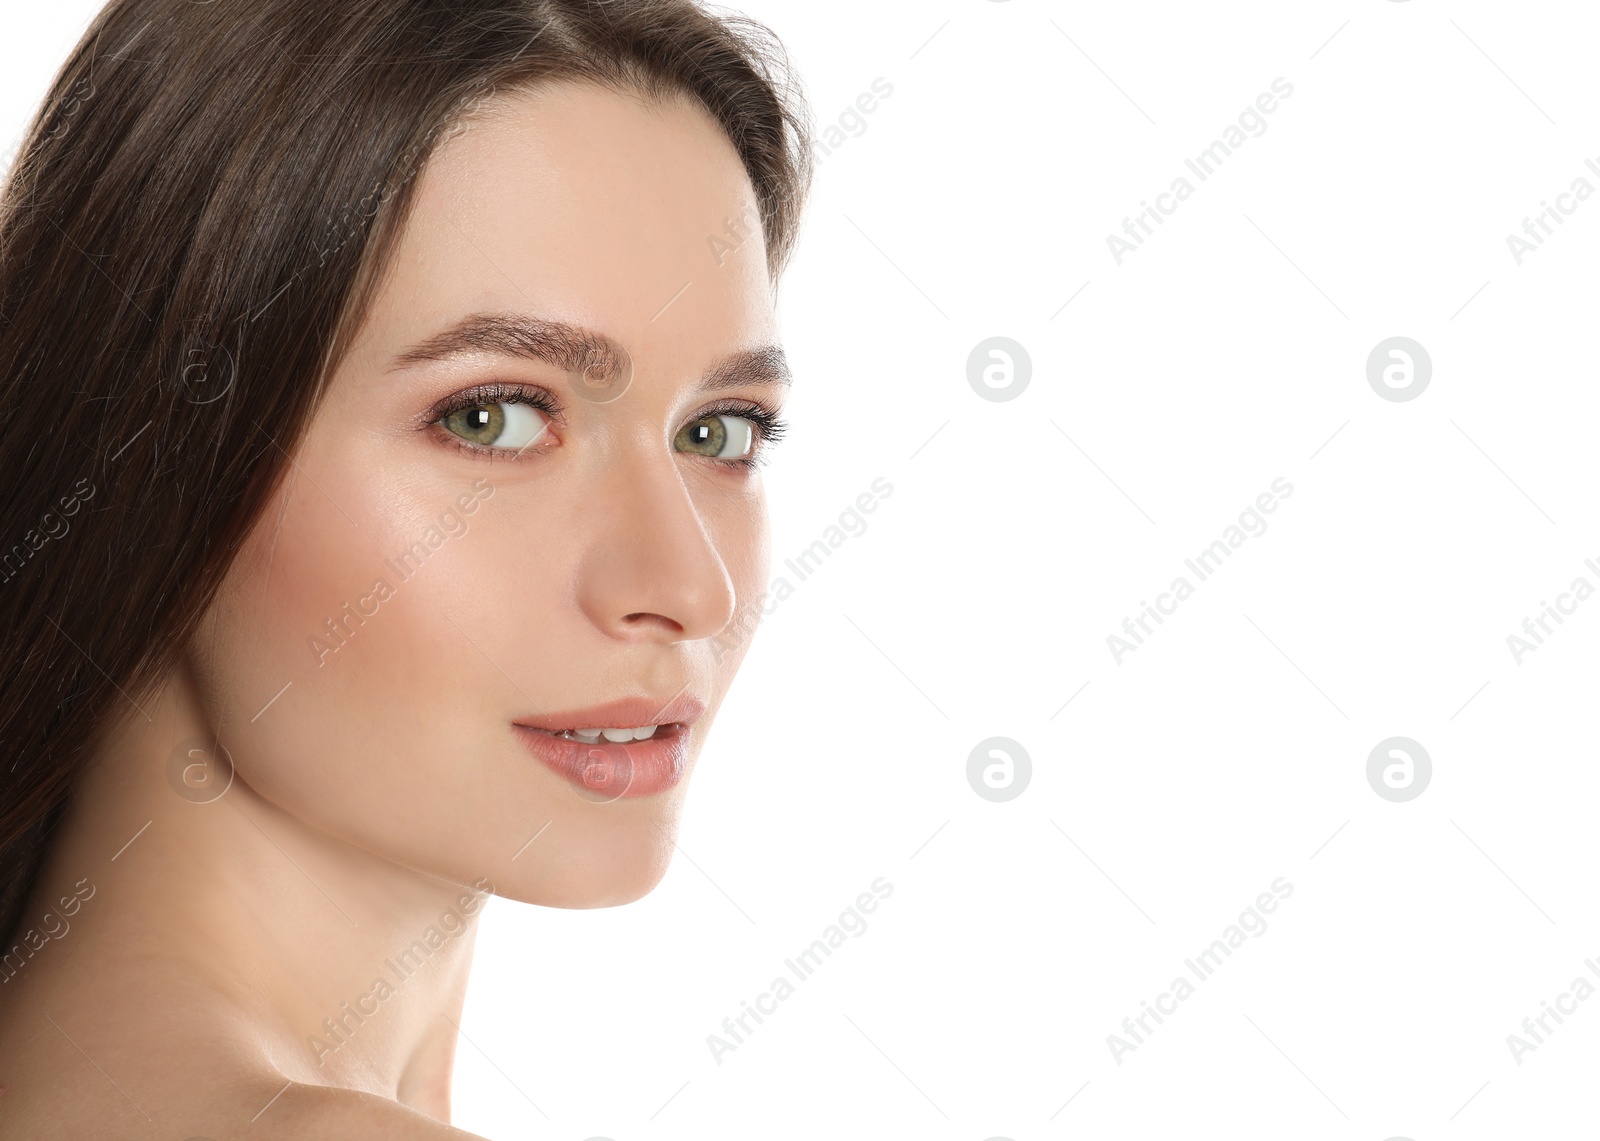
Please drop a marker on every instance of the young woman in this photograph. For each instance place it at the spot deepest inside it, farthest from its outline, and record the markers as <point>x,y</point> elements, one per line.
<point>383,385</point>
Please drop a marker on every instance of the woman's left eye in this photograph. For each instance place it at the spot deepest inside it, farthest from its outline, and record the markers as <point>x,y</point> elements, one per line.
<point>719,437</point>
<point>509,425</point>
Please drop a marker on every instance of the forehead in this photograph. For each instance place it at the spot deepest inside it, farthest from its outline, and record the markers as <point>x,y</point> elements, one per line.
<point>599,208</point>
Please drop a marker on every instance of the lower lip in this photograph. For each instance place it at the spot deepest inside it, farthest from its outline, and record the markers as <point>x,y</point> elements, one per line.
<point>609,770</point>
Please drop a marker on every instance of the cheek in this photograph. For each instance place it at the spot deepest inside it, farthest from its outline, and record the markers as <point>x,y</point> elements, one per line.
<point>358,602</point>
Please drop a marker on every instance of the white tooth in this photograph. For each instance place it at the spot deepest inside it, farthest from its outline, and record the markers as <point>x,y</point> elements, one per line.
<point>617,735</point>
<point>644,733</point>
<point>587,734</point>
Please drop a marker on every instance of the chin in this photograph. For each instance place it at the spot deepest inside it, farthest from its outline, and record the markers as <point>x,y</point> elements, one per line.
<point>601,866</point>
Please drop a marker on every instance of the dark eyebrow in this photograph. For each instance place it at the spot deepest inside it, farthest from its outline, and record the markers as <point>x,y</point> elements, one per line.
<point>574,349</point>
<point>751,366</point>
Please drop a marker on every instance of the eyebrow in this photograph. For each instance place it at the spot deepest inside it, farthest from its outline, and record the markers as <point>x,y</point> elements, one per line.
<point>575,349</point>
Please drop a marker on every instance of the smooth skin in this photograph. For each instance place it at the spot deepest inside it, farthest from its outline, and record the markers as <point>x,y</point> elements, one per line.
<point>385,780</point>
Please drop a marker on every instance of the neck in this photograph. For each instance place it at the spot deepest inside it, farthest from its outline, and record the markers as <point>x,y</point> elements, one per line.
<point>230,917</point>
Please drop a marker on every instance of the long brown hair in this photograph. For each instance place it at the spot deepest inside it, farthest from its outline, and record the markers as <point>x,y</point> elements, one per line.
<point>189,237</point>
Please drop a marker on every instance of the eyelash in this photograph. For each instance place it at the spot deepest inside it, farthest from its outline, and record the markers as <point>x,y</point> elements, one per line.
<point>482,396</point>
<point>770,427</point>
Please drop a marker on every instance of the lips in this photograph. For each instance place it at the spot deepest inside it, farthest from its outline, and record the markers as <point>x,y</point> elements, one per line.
<point>604,770</point>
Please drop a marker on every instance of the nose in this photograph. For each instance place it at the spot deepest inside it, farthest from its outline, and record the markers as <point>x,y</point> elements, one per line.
<point>651,570</point>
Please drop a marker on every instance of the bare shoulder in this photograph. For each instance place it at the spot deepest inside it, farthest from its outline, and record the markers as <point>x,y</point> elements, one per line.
<point>247,1108</point>
<point>322,1113</point>
<point>152,1071</point>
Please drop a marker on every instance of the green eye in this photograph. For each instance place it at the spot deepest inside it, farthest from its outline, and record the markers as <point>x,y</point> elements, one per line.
<point>499,425</point>
<point>717,437</point>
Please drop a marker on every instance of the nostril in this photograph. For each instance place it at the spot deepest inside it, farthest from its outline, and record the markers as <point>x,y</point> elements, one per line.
<point>645,618</point>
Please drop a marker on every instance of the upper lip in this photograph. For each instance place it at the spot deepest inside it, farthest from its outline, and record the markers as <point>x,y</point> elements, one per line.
<point>628,713</point>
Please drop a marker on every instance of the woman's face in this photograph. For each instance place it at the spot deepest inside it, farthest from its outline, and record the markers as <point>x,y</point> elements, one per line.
<point>525,506</point>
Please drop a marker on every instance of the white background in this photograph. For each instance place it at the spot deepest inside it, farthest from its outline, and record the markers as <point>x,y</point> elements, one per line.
<point>1228,750</point>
